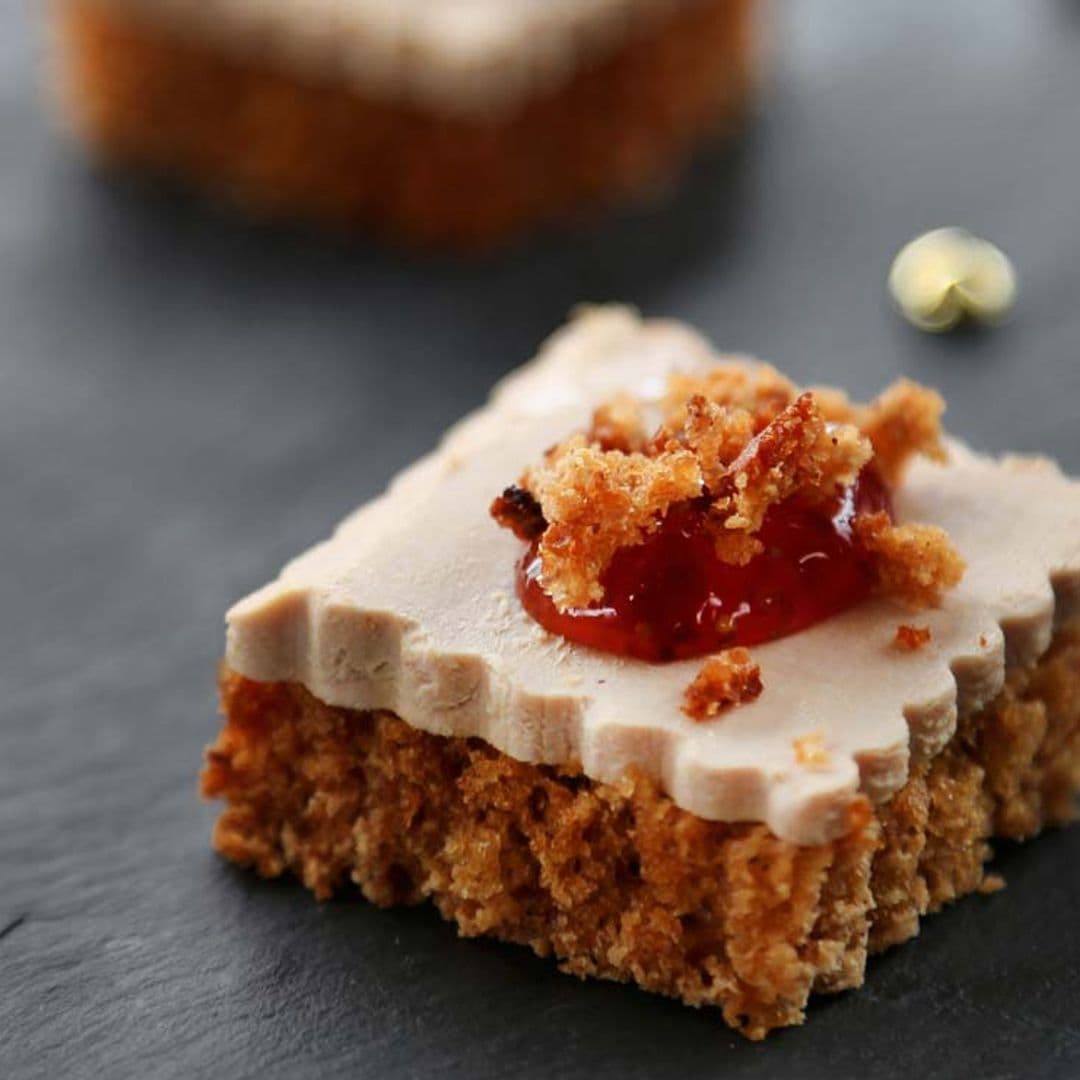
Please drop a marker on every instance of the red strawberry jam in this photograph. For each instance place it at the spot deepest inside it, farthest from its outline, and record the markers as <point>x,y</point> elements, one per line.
<point>671,598</point>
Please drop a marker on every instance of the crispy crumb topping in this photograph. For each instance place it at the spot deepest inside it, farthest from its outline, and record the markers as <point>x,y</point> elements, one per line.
<point>516,509</point>
<point>728,679</point>
<point>911,638</point>
<point>810,750</point>
<point>759,390</point>
<point>903,421</point>
<point>745,439</point>
<point>619,424</point>
<point>795,452</point>
<point>597,501</point>
<point>916,563</point>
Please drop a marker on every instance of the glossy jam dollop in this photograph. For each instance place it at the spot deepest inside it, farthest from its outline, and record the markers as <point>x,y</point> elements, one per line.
<point>671,598</point>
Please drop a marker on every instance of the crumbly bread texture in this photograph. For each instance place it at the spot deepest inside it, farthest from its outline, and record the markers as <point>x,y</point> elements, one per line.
<point>741,440</point>
<point>316,147</point>
<point>911,638</point>
<point>449,647</point>
<point>725,680</point>
<point>616,881</point>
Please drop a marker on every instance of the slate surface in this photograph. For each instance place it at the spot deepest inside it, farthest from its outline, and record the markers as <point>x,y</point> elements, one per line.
<point>186,401</point>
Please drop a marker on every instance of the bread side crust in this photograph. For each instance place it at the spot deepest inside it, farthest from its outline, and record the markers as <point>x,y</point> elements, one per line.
<point>278,143</point>
<point>616,881</point>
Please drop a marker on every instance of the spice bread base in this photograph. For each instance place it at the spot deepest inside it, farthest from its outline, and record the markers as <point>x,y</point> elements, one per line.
<point>303,146</point>
<point>614,880</point>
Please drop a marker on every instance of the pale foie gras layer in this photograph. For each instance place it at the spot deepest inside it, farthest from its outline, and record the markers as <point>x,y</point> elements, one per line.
<point>411,607</point>
<point>449,56</point>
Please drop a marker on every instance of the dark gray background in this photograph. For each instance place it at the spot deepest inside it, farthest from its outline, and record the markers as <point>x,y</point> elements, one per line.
<point>186,401</point>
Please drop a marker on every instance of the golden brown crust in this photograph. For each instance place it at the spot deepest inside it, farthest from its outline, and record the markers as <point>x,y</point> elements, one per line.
<point>990,884</point>
<point>742,439</point>
<point>916,563</point>
<point>911,638</point>
<point>615,880</point>
<point>516,509</point>
<point>599,493</point>
<point>619,424</point>
<point>903,421</point>
<point>598,501</point>
<point>717,434</point>
<point>810,750</point>
<point>314,148</point>
<point>796,453</point>
<point>760,390</point>
<point>727,679</point>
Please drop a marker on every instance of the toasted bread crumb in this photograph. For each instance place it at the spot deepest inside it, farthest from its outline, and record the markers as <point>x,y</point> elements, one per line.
<point>992,883</point>
<point>619,424</point>
<point>911,638</point>
<point>796,452</point>
<point>726,680</point>
<point>903,421</point>
<point>759,390</point>
<point>516,509</point>
<point>717,434</point>
<point>744,439</point>
<point>598,501</point>
<point>916,563</point>
<point>810,750</point>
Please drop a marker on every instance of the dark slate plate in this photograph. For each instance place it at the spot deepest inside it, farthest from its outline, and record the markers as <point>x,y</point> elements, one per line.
<point>186,401</point>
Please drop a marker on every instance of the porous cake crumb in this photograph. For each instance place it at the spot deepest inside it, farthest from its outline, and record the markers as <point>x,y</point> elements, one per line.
<point>207,101</point>
<point>617,881</point>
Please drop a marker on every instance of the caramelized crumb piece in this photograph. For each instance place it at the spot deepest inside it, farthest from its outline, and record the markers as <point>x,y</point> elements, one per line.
<point>728,679</point>
<point>992,883</point>
<point>598,501</point>
<point>911,638</point>
<point>834,404</point>
<point>810,750</point>
<point>619,424</point>
<point>516,509</point>
<point>742,437</point>
<point>796,451</point>
<point>736,547</point>
<point>717,434</point>
<point>758,389</point>
<point>903,421</point>
<point>916,563</point>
